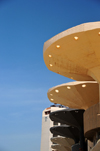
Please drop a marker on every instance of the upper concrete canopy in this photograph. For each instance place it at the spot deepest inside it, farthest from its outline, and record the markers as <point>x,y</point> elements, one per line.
<point>78,95</point>
<point>75,53</point>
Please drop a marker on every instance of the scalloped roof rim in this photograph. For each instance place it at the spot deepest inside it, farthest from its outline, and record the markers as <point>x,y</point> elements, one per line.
<point>77,29</point>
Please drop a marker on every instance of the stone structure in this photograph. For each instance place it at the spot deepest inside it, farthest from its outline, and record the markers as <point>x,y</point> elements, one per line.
<point>75,53</point>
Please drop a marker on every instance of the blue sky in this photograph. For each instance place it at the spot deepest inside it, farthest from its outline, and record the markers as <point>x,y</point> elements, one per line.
<point>24,79</point>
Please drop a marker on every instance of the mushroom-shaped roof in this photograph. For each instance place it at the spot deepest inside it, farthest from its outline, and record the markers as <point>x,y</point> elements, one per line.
<point>67,142</point>
<point>78,95</point>
<point>68,116</point>
<point>75,53</point>
<point>60,147</point>
<point>67,131</point>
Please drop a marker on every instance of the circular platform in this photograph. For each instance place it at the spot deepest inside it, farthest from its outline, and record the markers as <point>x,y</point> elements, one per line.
<point>69,117</point>
<point>66,131</point>
<point>75,53</point>
<point>78,95</point>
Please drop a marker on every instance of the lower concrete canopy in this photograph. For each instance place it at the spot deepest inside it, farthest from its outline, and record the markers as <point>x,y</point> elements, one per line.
<point>77,95</point>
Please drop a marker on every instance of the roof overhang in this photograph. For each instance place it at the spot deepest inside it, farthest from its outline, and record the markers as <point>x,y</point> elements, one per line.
<point>75,53</point>
<point>78,95</point>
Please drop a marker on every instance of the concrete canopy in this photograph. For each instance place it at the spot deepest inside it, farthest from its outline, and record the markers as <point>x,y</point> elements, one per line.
<point>66,131</point>
<point>67,142</point>
<point>69,117</point>
<point>77,95</point>
<point>75,53</point>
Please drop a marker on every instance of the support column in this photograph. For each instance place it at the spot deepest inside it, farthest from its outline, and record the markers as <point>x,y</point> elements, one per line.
<point>95,74</point>
<point>82,140</point>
